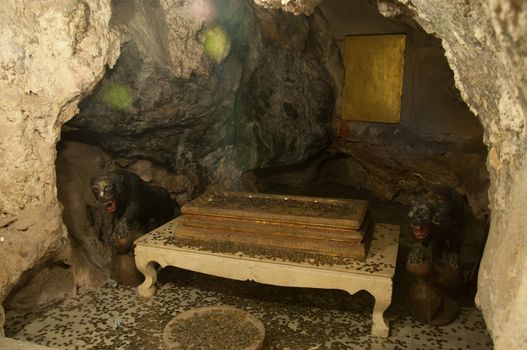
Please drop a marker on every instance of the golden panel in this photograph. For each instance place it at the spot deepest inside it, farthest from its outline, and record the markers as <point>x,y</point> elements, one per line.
<point>373,78</point>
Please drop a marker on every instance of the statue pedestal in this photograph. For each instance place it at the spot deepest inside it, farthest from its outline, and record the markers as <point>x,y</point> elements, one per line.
<point>124,271</point>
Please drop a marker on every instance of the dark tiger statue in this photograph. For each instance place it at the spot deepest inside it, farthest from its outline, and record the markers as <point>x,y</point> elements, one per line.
<point>136,206</point>
<point>436,221</point>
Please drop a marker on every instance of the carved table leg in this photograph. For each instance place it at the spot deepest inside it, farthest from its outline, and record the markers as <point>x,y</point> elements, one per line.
<point>146,289</point>
<point>380,326</point>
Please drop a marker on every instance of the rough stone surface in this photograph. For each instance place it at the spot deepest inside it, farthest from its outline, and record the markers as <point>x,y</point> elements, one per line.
<point>493,35</point>
<point>2,321</point>
<point>167,31</point>
<point>181,187</point>
<point>49,285</point>
<point>89,257</point>
<point>274,116</point>
<point>53,54</point>
<point>396,173</point>
<point>297,7</point>
<point>175,122</point>
<point>323,40</point>
<point>243,113</point>
<point>508,279</point>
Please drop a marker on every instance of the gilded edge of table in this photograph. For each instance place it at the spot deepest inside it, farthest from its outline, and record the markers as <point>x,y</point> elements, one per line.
<point>380,261</point>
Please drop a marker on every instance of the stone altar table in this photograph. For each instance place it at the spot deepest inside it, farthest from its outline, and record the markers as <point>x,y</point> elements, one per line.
<point>373,275</point>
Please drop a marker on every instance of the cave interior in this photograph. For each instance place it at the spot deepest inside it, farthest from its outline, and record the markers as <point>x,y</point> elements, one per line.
<point>228,95</point>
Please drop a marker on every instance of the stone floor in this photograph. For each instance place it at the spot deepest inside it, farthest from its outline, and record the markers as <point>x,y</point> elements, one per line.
<point>116,318</point>
<point>14,344</point>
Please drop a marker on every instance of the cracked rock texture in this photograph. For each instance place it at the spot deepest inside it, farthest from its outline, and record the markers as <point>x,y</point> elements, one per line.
<point>53,54</point>
<point>215,120</point>
<point>485,43</point>
<point>167,31</point>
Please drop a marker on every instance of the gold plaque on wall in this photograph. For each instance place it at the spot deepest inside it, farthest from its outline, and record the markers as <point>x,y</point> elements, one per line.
<point>373,80</point>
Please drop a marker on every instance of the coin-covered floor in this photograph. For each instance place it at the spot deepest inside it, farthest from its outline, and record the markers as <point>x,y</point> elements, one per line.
<point>114,317</point>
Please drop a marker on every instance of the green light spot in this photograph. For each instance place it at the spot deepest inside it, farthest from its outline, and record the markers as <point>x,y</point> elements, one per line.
<point>118,96</point>
<point>216,43</point>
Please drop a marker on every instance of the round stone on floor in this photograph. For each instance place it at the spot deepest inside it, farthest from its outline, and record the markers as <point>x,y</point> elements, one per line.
<point>214,327</point>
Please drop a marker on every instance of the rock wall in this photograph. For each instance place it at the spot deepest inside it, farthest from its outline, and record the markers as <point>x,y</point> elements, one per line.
<point>54,52</point>
<point>485,44</point>
<point>294,6</point>
<point>214,117</point>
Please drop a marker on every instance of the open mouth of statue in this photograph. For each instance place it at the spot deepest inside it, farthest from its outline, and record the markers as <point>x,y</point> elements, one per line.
<point>420,232</point>
<point>111,206</point>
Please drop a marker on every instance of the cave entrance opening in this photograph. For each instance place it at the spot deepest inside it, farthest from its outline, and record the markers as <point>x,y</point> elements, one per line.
<point>267,119</point>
